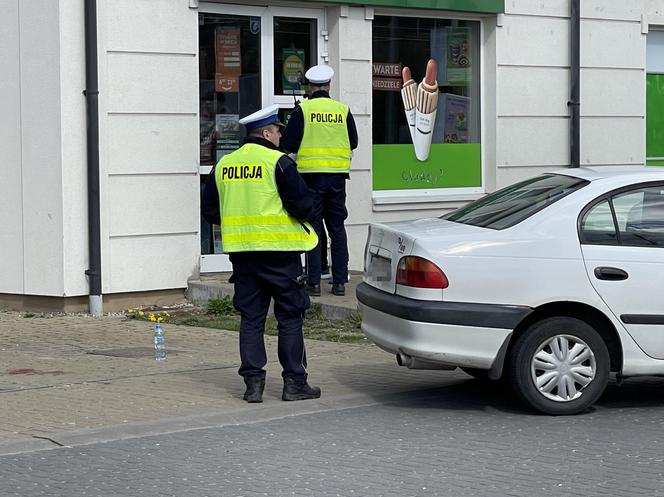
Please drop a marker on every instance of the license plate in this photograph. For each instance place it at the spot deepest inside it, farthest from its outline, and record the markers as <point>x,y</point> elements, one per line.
<point>380,268</point>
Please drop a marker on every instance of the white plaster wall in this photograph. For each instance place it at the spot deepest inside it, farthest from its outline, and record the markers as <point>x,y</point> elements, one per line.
<point>613,51</point>
<point>73,155</point>
<point>149,126</point>
<point>350,56</point>
<point>533,84</point>
<point>11,186</point>
<point>41,147</point>
<point>149,143</point>
<point>532,89</point>
<point>30,149</point>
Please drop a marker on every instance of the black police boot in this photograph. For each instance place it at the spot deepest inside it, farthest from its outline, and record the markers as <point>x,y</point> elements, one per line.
<point>339,289</point>
<point>255,387</point>
<point>299,390</point>
<point>313,290</point>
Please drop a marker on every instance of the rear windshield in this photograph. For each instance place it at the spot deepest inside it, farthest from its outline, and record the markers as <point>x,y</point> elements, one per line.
<point>515,203</point>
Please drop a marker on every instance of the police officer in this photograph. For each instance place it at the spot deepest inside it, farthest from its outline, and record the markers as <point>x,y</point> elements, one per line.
<point>261,202</point>
<point>322,132</point>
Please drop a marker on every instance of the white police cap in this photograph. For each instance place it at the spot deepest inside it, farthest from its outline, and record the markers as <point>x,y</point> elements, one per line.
<point>320,74</point>
<point>263,117</point>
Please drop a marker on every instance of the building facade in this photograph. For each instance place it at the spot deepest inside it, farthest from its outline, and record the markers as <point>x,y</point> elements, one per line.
<point>175,76</point>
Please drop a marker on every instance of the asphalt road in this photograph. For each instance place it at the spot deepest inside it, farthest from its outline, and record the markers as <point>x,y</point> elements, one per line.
<point>462,439</point>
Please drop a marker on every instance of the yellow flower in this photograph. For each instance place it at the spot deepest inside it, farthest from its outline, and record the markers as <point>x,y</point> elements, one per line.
<point>130,310</point>
<point>141,313</point>
<point>152,318</point>
<point>160,319</point>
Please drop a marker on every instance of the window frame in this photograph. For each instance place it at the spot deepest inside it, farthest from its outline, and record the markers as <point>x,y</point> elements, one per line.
<point>267,15</point>
<point>285,100</point>
<point>608,196</point>
<point>220,262</point>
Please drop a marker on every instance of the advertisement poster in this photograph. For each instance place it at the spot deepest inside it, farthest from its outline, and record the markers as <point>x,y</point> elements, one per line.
<point>439,154</point>
<point>454,115</point>
<point>207,141</point>
<point>457,57</point>
<point>386,76</point>
<point>228,62</point>
<point>228,131</point>
<point>293,71</point>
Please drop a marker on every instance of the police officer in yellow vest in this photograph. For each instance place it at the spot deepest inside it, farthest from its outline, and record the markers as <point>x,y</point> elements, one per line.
<point>261,203</point>
<point>322,132</point>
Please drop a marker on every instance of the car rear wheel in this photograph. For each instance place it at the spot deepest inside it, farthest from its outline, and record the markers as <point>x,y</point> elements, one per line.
<point>559,366</point>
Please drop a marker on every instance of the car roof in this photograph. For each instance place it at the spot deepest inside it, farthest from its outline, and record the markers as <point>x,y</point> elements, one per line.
<point>625,173</point>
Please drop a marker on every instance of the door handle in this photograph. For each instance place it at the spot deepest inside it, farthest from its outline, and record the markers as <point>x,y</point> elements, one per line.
<point>610,273</point>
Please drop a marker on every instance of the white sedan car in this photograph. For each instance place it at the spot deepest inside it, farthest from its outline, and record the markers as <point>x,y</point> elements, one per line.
<point>553,283</point>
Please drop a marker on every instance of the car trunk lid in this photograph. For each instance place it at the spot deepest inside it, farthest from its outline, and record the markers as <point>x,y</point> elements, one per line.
<point>388,243</point>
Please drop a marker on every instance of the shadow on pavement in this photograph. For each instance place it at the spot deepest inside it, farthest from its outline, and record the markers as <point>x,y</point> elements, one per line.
<point>430,389</point>
<point>640,392</point>
<point>470,394</point>
<point>454,390</point>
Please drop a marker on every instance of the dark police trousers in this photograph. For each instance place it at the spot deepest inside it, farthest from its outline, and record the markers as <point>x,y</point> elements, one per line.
<point>330,205</point>
<point>257,277</point>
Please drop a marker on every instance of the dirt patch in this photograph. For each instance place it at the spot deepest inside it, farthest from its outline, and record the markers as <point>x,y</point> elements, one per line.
<point>221,315</point>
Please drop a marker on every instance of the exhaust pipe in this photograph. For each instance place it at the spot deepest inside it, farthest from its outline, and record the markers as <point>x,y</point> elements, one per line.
<point>411,362</point>
<point>403,359</point>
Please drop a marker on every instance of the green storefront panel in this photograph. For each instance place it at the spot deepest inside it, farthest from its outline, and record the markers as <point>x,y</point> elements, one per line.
<point>655,119</point>
<point>450,165</point>
<point>480,6</point>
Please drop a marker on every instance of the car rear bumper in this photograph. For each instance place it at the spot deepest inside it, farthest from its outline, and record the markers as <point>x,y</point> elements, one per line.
<point>445,333</point>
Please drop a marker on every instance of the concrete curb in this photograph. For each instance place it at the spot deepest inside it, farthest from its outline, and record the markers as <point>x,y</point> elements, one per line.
<point>257,413</point>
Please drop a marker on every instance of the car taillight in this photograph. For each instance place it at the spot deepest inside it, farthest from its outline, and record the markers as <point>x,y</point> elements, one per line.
<point>420,273</point>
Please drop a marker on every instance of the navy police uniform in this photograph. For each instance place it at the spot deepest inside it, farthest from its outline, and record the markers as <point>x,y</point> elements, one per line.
<point>329,189</point>
<point>259,276</point>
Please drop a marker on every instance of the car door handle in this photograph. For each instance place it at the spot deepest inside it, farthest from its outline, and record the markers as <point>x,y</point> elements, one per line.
<point>610,273</point>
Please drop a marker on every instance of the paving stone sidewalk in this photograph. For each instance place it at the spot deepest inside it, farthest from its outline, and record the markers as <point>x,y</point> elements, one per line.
<point>77,375</point>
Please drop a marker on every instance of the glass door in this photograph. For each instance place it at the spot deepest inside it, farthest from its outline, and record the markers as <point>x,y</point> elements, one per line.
<point>249,57</point>
<point>299,41</point>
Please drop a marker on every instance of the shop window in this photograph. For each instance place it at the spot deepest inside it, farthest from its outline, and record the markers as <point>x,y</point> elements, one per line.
<point>229,87</point>
<point>426,136</point>
<point>294,53</point>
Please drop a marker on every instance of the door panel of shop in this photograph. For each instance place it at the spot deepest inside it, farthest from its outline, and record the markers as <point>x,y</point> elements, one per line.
<point>249,57</point>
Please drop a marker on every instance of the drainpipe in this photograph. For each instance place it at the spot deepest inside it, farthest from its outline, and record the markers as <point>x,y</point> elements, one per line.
<point>92,100</point>
<point>575,83</point>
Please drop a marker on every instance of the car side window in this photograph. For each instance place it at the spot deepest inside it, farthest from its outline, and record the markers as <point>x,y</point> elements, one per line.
<point>597,225</point>
<point>640,217</point>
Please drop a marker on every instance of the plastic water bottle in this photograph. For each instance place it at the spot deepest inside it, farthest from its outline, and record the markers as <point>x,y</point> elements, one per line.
<point>159,344</point>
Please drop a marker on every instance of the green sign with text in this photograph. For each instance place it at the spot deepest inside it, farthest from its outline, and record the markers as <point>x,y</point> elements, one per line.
<point>449,165</point>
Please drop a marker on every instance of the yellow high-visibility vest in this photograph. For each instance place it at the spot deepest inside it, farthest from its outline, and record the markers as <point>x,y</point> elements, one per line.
<point>325,146</point>
<point>252,213</point>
